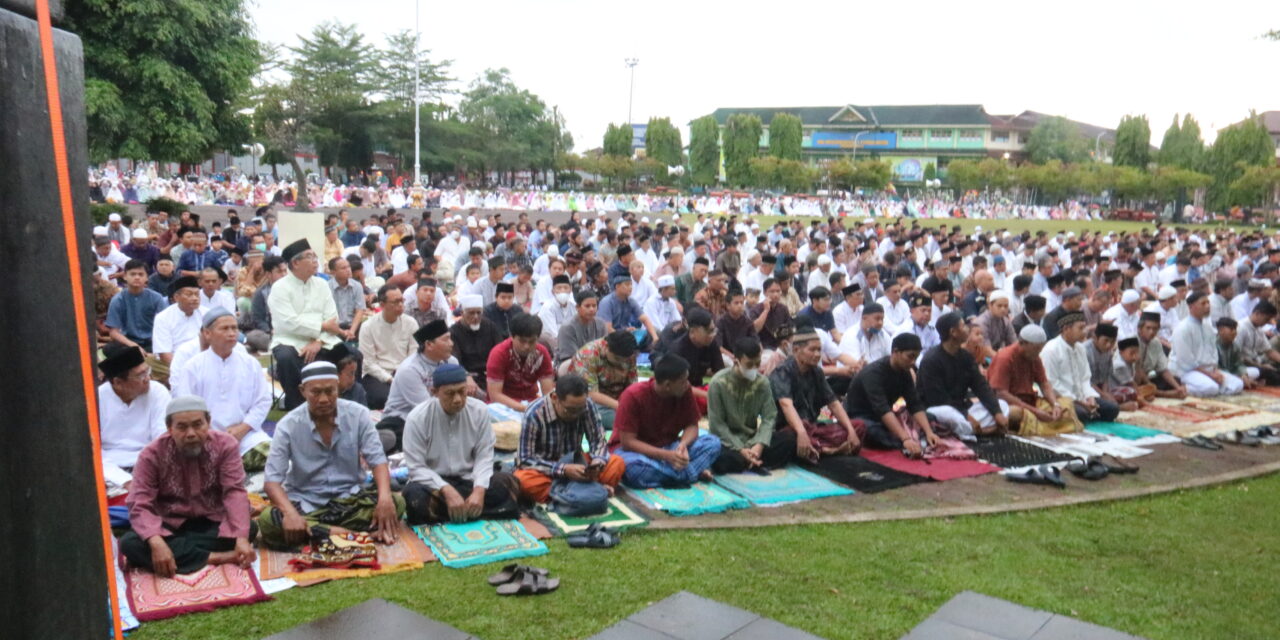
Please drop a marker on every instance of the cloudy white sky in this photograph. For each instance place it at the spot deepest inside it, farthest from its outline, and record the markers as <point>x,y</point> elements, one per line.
<point>1089,60</point>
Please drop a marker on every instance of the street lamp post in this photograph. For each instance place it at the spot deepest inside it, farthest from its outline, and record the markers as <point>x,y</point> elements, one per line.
<point>631,64</point>
<point>1097,146</point>
<point>855,142</point>
<point>417,98</point>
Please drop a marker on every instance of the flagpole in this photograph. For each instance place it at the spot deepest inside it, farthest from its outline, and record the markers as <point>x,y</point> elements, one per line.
<point>417,106</point>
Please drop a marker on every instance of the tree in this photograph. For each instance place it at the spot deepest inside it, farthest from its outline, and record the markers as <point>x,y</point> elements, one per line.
<point>786,134</point>
<point>930,171</point>
<point>165,80</point>
<point>1174,184</point>
<point>284,118</point>
<point>1237,148</point>
<point>1257,186</point>
<point>338,68</point>
<point>617,140</point>
<point>849,175</point>
<point>704,151</point>
<point>514,129</point>
<point>764,172</point>
<point>1055,138</point>
<point>742,134</point>
<point>795,176</point>
<point>393,119</point>
<point>988,173</point>
<point>1133,142</point>
<point>662,144</point>
<point>1182,146</point>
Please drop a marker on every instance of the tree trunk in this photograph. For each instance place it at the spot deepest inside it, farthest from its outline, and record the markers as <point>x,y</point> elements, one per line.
<point>302,202</point>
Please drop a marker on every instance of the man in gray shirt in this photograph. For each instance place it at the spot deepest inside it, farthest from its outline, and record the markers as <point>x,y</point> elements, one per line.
<point>583,328</point>
<point>314,478</point>
<point>448,448</point>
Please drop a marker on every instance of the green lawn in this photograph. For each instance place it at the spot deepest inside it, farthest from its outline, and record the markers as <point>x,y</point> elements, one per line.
<point>1192,564</point>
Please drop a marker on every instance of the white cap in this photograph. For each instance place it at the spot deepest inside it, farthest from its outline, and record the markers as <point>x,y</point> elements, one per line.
<point>140,234</point>
<point>675,217</point>
<point>1152,307</point>
<point>1034,334</point>
<point>115,217</point>
<point>824,259</point>
<point>998,294</point>
<point>644,219</point>
<point>750,254</point>
<point>623,224</point>
<point>600,213</point>
<point>553,251</point>
<point>471,301</point>
<point>99,231</point>
<point>755,225</point>
<point>1130,296</point>
<point>1071,234</point>
<point>1166,292</point>
<point>1106,253</point>
<point>666,281</point>
<point>484,222</point>
<point>676,249</point>
<point>471,221</point>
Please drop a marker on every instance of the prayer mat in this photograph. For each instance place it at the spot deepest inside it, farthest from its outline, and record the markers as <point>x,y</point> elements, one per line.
<point>861,474</point>
<point>939,469</point>
<point>1008,453</point>
<point>1270,391</point>
<point>407,554</point>
<point>702,497</point>
<point>127,620</point>
<point>213,587</point>
<point>781,486</point>
<point>459,545</point>
<point>1197,410</point>
<point>1255,401</point>
<point>619,516</point>
<point>1122,430</point>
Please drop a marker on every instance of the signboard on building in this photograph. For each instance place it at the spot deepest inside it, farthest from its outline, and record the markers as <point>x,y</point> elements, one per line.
<point>866,140</point>
<point>909,169</point>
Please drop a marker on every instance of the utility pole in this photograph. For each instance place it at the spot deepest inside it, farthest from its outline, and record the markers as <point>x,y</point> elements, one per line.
<point>631,64</point>
<point>417,98</point>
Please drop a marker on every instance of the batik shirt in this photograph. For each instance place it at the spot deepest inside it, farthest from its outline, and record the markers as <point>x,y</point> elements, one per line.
<point>600,374</point>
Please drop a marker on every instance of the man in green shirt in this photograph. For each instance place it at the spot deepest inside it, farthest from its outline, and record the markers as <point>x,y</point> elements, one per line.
<point>742,413</point>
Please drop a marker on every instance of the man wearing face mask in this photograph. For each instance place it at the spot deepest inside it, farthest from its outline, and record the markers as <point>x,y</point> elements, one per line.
<point>557,312</point>
<point>869,343</point>
<point>474,336</point>
<point>742,413</point>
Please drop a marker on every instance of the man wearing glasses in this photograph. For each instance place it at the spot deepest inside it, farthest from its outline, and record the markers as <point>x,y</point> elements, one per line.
<point>304,319</point>
<point>131,409</point>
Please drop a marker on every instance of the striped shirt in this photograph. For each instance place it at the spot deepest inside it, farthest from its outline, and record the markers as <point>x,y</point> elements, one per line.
<point>545,438</point>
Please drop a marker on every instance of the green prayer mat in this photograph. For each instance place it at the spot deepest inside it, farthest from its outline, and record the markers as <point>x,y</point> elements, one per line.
<point>703,497</point>
<point>1121,430</point>
<point>618,516</point>
<point>460,545</point>
<point>781,486</point>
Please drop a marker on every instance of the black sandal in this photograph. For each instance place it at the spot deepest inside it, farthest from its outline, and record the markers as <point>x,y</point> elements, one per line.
<point>530,583</point>
<point>596,536</point>
<point>1088,469</point>
<point>1036,476</point>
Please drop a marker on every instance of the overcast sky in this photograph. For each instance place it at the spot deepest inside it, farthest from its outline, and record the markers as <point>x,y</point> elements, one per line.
<point>1088,60</point>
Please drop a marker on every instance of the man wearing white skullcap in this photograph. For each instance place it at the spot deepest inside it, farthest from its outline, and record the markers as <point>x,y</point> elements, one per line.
<point>474,336</point>
<point>315,473</point>
<point>1016,372</point>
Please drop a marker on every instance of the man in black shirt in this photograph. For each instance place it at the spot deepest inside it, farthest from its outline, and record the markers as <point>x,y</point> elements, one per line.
<point>474,336</point>
<point>949,375</point>
<point>878,386</point>
<point>698,346</point>
<point>503,309</point>
<point>801,391</point>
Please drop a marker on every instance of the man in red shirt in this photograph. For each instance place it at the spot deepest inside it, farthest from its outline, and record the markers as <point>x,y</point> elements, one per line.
<point>656,430</point>
<point>518,366</point>
<point>1015,373</point>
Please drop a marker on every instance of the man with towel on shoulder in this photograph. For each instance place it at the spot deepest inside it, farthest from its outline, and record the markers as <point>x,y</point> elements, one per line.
<point>304,319</point>
<point>315,477</point>
<point>233,384</point>
<point>448,448</point>
<point>187,503</point>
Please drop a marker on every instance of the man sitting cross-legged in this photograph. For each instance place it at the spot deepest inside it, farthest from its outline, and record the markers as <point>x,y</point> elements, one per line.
<point>448,448</point>
<point>233,384</point>
<point>741,412</point>
<point>304,318</point>
<point>949,375</point>
<point>1015,373</point>
<point>412,384</point>
<point>801,390</point>
<point>554,427</point>
<point>609,367</point>
<point>1195,354</point>
<point>314,474</point>
<point>879,386</point>
<point>187,504</point>
<point>1066,363</point>
<point>656,430</point>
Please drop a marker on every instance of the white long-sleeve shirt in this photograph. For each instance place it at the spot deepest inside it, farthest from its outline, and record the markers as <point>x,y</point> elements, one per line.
<point>847,318</point>
<point>1194,346</point>
<point>1067,368</point>
<point>235,388</point>
<point>298,309</point>
<point>127,428</point>
<point>172,328</point>
<point>383,345</point>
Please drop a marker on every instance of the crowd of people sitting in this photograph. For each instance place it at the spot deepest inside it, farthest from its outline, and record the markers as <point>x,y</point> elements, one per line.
<point>378,191</point>
<point>612,339</point>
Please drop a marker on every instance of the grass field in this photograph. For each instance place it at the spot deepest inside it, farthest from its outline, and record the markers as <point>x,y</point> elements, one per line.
<point>1191,564</point>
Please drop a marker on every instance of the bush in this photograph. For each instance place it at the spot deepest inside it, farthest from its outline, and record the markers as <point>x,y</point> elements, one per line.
<point>167,205</point>
<point>100,211</point>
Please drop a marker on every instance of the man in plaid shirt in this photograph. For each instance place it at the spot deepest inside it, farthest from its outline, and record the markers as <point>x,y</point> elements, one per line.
<point>555,425</point>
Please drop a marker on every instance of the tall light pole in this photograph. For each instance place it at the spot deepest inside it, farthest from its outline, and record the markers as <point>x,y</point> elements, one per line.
<point>417,99</point>
<point>1097,147</point>
<point>631,64</point>
<point>855,142</point>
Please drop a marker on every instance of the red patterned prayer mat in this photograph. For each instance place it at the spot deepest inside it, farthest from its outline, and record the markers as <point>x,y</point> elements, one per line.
<point>213,587</point>
<point>1196,411</point>
<point>935,468</point>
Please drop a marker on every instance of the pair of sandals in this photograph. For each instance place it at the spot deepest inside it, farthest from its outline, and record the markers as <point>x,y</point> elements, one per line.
<point>1243,438</point>
<point>1100,467</point>
<point>1043,474</point>
<point>522,580</point>
<point>596,536</point>
<point>1202,442</point>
